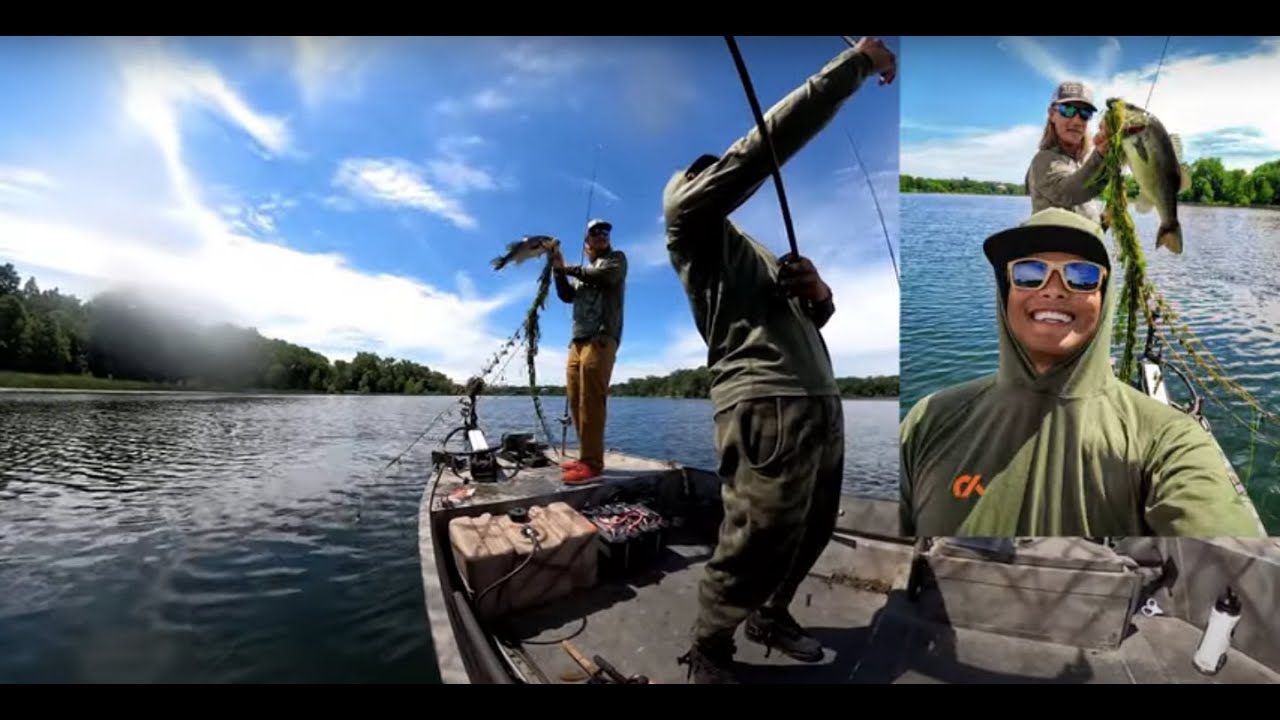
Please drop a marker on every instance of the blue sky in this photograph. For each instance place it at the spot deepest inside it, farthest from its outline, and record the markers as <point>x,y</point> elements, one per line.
<point>975,106</point>
<point>348,194</point>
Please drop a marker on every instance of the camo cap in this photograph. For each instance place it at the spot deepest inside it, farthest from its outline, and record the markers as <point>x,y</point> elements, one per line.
<point>1073,91</point>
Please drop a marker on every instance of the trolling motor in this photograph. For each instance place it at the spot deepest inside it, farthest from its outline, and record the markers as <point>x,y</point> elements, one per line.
<point>480,459</point>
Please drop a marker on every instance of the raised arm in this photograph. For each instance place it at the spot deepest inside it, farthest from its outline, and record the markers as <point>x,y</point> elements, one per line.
<point>724,186</point>
<point>607,272</point>
<point>1063,185</point>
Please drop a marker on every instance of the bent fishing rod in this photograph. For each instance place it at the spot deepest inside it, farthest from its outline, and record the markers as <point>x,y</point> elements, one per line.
<point>763,129</point>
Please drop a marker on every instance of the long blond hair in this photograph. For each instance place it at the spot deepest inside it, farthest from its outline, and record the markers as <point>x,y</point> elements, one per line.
<point>1049,140</point>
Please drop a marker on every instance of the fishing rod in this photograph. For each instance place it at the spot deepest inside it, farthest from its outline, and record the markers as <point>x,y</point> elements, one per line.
<point>565,419</point>
<point>876,200</point>
<point>745,77</point>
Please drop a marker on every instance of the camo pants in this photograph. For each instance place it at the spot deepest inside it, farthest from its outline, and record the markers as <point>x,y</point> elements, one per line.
<point>782,466</point>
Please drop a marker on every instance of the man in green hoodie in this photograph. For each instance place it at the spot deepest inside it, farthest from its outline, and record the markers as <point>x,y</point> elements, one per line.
<point>1054,443</point>
<point>779,419</point>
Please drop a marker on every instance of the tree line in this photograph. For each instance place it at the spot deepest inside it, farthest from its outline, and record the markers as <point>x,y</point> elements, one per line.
<point>1211,184</point>
<point>696,383</point>
<point>120,335</point>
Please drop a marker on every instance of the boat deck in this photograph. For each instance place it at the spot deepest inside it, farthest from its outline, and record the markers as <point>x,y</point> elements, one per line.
<point>872,635</point>
<point>537,483</point>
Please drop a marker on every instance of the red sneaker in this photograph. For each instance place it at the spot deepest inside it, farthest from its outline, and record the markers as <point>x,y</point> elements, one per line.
<point>580,474</point>
<point>570,464</point>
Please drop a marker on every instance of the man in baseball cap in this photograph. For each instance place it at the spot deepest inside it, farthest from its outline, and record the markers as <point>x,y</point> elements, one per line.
<point>597,301</point>
<point>1054,443</point>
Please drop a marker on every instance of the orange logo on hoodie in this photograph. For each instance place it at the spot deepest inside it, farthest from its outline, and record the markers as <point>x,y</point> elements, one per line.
<point>965,485</point>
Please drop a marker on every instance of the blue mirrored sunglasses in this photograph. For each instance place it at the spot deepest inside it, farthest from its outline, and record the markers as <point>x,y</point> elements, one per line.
<point>1077,275</point>
<point>1070,111</point>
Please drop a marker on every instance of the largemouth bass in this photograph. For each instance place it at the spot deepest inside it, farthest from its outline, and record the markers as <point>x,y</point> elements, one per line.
<point>530,247</point>
<point>1155,158</point>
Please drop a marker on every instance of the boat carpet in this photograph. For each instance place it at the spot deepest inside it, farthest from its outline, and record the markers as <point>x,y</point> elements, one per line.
<point>642,626</point>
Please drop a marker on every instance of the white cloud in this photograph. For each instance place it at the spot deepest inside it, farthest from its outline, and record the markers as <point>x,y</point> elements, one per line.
<point>1211,100</point>
<point>437,186</point>
<point>167,236</point>
<point>399,182</point>
<point>685,349</point>
<point>999,155</point>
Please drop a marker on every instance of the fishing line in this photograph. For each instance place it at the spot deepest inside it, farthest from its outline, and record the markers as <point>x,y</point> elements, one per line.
<point>879,212</point>
<point>745,76</point>
<point>1159,65</point>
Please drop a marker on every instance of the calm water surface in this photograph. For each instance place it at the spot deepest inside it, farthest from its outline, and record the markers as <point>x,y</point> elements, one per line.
<point>1226,285</point>
<point>181,538</point>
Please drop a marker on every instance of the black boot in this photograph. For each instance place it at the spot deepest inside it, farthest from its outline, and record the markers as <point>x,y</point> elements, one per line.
<point>777,629</point>
<point>710,664</point>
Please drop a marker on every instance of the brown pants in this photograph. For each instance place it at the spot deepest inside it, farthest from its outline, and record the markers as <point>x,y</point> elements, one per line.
<point>587,383</point>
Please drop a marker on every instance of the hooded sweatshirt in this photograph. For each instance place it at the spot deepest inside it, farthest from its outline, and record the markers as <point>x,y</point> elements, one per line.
<point>1074,452</point>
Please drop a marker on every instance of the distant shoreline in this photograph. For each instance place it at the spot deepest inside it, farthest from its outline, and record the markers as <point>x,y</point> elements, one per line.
<point>1181,203</point>
<point>15,382</point>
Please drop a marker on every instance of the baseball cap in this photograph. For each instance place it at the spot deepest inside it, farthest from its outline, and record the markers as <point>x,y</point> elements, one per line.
<point>1050,230</point>
<point>1072,91</point>
<point>601,224</point>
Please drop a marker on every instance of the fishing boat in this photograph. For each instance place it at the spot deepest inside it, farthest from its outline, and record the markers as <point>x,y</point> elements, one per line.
<point>528,580</point>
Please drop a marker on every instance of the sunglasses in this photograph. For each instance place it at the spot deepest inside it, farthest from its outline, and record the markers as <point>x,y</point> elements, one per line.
<point>597,232</point>
<point>1070,111</point>
<point>1077,275</point>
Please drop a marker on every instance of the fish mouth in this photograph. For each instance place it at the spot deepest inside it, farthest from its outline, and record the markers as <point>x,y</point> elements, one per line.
<point>1052,317</point>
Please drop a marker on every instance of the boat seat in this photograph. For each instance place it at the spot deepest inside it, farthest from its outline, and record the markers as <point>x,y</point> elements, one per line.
<point>1069,591</point>
<point>1066,553</point>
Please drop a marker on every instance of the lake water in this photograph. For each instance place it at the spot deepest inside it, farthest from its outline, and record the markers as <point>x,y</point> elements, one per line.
<point>185,538</point>
<point>1226,285</point>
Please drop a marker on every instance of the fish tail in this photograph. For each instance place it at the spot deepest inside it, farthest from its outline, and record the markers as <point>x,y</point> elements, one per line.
<point>1169,236</point>
<point>498,263</point>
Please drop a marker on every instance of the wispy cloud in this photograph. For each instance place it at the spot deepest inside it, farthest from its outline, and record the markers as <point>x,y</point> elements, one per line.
<point>393,181</point>
<point>1210,99</point>
<point>652,83</point>
<point>437,186</point>
<point>331,68</point>
<point>23,181</point>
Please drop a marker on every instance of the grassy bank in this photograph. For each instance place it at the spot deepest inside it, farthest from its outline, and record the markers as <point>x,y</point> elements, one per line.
<point>34,381</point>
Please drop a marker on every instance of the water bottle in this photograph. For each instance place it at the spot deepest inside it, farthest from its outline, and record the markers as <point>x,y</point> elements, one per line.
<point>1211,654</point>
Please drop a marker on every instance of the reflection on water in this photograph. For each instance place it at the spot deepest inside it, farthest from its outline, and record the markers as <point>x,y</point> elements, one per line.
<point>1225,284</point>
<point>185,538</point>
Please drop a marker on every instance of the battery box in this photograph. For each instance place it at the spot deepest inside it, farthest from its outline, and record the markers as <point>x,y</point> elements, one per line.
<point>631,537</point>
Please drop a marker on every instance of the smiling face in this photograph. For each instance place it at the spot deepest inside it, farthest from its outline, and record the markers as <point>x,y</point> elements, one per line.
<point>1053,322</point>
